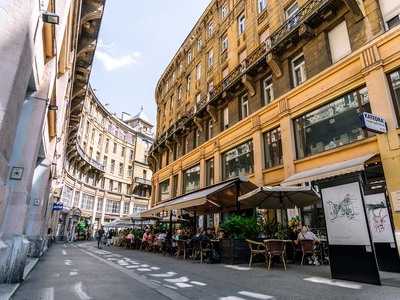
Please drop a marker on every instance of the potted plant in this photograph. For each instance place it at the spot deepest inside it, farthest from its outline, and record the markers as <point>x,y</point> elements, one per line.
<point>234,249</point>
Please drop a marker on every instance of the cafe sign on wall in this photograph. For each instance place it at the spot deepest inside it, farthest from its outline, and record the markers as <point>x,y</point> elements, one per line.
<point>372,123</point>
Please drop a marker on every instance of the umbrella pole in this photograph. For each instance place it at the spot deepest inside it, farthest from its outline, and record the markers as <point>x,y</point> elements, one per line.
<point>281,205</point>
<point>195,221</point>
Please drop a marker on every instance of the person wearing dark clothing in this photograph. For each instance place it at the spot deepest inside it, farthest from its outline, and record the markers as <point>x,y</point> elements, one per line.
<point>293,236</point>
<point>100,234</point>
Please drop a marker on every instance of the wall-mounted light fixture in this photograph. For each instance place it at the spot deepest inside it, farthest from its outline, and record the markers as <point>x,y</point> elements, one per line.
<point>52,107</point>
<point>49,17</point>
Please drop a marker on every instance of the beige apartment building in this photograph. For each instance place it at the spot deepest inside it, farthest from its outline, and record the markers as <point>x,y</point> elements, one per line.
<point>106,170</point>
<point>272,90</point>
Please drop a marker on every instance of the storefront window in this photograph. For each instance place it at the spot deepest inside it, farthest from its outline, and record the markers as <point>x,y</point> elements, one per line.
<point>191,179</point>
<point>273,148</point>
<point>394,80</point>
<point>164,190</point>
<point>238,161</point>
<point>87,202</point>
<point>112,206</point>
<point>332,125</point>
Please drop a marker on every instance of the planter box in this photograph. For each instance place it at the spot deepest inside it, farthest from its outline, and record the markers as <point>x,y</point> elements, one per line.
<point>234,251</point>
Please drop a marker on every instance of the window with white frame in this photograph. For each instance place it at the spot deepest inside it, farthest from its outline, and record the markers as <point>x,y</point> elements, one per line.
<point>125,209</point>
<point>224,42</point>
<point>99,207</point>
<point>244,106</point>
<point>180,68</point>
<point>129,172</point>
<point>171,102</point>
<point>268,90</point>
<point>199,44</point>
<point>209,129</point>
<point>188,79</point>
<point>196,138</point>
<point>164,190</point>
<point>210,30</point>
<point>76,199</point>
<point>241,24</point>
<point>87,202</point>
<point>67,196</point>
<point>262,4</point>
<point>191,179</point>
<point>292,14</point>
<point>139,208</point>
<point>225,118</point>
<point>391,12</point>
<point>238,161</point>
<point>224,11</point>
<point>121,169</point>
<point>112,167</point>
<point>210,88</point>
<point>273,155</point>
<point>209,172</point>
<point>179,93</point>
<point>110,185</point>
<point>210,58</point>
<point>198,98</point>
<point>299,70</point>
<point>198,71</point>
<point>339,42</point>
<point>185,145</point>
<point>112,206</point>
<point>189,56</point>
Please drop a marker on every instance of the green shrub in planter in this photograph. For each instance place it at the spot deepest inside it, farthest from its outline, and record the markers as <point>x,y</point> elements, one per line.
<point>241,227</point>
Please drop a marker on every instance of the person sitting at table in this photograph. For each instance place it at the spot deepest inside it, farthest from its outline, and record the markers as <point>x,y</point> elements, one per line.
<point>307,234</point>
<point>210,233</point>
<point>182,235</point>
<point>162,236</point>
<point>221,233</point>
<point>293,251</point>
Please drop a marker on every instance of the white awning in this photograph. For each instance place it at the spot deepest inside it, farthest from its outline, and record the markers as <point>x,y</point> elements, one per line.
<point>344,167</point>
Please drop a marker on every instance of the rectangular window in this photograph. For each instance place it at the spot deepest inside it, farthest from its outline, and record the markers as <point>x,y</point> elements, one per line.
<point>122,151</point>
<point>67,196</point>
<point>224,11</point>
<point>112,167</point>
<point>196,139</point>
<point>394,82</point>
<point>268,90</point>
<point>224,42</point>
<point>241,24</point>
<point>112,206</point>
<point>210,58</point>
<point>185,145</point>
<point>106,148</point>
<point>273,148</point>
<point>393,22</point>
<point>179,93</point>
<point>175,184</point>
<point>171,102</point>
<point>115,148</point>
<point>262,4</point>
<point>226,118</point>
<point>199,44</point>
<point>188,83</point>
<point>210,172</point>
<point>339,42</point>
<point>104,162</point>
<point>209,129</point>
<point>198,71</point>
<point>99,207</point>
<point>176,151</point>
<point>129,173</point>
<point>87,202</point>
<point>189,56</point>
<point>244,106</point>
<point>191,179</point>
<point>121,169</point>
<point>125,210</point>
<point>332,125</point>
<point>210,30</point>
<point>238,161</point>
<point>131,155</point>
<point>390,11</point>
<point>110,185</point>
<point>299,70</point>
<point>292,14</point>
<point>164,190</point>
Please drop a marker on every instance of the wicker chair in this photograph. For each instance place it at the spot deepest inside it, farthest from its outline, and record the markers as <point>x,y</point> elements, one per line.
<point>256,248</point>
<point>183,248</point>
<point>275,248</point>
<point>309,248</point>
<point>199,250</point>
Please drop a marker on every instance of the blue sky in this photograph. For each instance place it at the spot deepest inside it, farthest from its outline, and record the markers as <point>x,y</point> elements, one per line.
<point>137,41</point>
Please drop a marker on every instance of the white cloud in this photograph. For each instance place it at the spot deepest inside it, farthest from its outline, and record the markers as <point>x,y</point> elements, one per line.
<point>110,60</point>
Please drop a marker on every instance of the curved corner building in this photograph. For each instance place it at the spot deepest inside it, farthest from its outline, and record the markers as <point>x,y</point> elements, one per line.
<point>274,90</point>
<point>106,169</point>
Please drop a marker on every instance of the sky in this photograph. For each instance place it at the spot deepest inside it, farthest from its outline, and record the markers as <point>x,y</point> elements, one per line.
<point>137,41</point>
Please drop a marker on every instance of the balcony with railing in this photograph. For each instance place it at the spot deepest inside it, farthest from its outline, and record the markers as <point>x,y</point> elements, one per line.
<point>140,180</point>
<point>311,15</point>
<point>92,162</point>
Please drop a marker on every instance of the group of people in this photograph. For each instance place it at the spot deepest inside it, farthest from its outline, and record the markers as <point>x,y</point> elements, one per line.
<point>299,233</point>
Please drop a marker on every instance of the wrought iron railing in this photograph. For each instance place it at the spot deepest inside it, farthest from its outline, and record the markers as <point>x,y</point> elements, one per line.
<point>88,159</point>
<point>142,181</point>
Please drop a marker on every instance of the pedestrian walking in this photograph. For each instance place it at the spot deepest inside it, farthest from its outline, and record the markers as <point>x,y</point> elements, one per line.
<point>100,234</point>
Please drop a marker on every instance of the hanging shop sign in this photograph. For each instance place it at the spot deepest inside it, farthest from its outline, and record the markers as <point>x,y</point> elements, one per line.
<point>372,123</point>
<point>58,206</point>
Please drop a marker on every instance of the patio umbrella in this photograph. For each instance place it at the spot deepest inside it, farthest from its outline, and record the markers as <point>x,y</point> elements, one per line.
<point>174,219</point>
<point>137,216</point>
<point>274,197</point>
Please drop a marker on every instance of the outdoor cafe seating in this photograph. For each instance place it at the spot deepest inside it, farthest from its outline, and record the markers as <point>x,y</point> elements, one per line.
<point>275,248</point>
<point>311,247</point>
<point>183,249</point>
<point>256,248</point>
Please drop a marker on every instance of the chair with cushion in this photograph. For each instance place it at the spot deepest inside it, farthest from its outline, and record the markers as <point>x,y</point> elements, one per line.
<point>309,247</point>
<point>275,248</point>
<point>256,248</point>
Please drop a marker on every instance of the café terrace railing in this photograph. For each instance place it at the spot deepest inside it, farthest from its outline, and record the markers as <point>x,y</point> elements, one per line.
<point>252,59</point>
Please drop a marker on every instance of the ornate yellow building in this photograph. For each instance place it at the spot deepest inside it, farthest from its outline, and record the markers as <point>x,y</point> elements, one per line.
<point>273,90</point>
<point>106,170</point>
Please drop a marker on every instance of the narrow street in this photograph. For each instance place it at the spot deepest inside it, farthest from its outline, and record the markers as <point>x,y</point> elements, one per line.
<point>81,271</point>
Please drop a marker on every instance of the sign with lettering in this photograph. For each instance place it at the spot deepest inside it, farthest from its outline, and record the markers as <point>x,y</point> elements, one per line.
<point>58,206</point>
<point>372,123</point>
